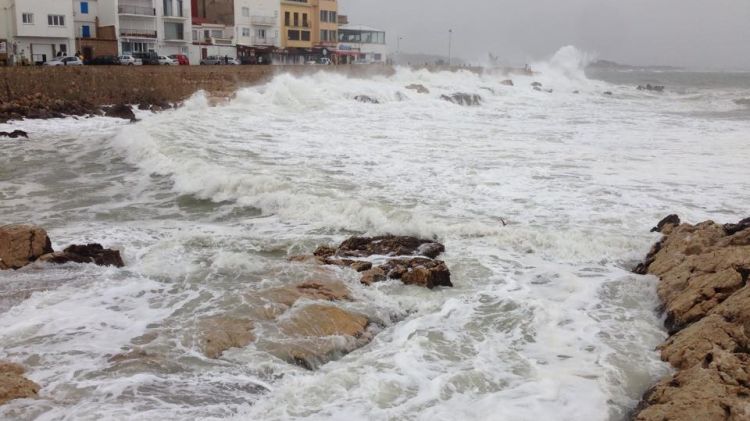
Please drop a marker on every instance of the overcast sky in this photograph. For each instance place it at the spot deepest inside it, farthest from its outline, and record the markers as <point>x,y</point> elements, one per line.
<point>688,33</point>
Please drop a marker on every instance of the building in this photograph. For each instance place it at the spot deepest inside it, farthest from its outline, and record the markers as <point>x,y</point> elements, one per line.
<point>362,44</point>
<point>308,29</point>
<point>161,26</point>
<point>212,29</point>
<point>257,29</point>
<point>92,40</point>
<point>35,31</point>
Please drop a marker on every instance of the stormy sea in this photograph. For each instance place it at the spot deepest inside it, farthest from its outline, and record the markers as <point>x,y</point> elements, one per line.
<point>542,197</point>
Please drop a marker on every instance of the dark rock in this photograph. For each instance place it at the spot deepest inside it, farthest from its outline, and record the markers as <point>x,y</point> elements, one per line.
<point>144,106</point>
<point>89,253</point>
<point>649,87</point>
<point>608,93</point>
<point>461,98</point>
<point>421,89</point>
<point>419,271</point>
<point>536,84</point>
<point>15,134</point>
<point>388,245</point>
<point>324,251</point>
<point>732,229</point>
<point>536,88</point>
<point>361,266</point>
<point>673,220</point>
<point>373,275</point>
<point>507,82</point>
<point>366,99</point>
<point>120,111</point>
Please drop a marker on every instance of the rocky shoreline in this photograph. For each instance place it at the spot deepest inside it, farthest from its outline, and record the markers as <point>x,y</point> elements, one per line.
<point>703,271</point>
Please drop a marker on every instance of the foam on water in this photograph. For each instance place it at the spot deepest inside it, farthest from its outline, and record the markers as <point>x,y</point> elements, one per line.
<point>543,200</point>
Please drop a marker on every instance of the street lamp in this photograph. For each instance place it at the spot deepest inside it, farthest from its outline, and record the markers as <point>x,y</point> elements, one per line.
<point>398,48</point>
<point>450,40</point>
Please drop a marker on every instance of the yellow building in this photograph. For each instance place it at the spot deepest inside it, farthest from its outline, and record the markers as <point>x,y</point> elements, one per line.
<point>309,24</point>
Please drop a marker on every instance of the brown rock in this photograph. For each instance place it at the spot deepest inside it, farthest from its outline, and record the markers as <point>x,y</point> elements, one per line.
<point>324,251</point>
<point>21,245</point>
<point>361,266</point>
<point>13,385</point>
<point>373,275</point>
<point>669,222</point>
<point>691,345</point>
<point>419,271</point>
<point>421,89</point>
<point>221,333</point>
<point>388,245</point>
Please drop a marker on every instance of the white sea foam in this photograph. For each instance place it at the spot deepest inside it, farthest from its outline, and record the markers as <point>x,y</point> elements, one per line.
<point>543,201</point>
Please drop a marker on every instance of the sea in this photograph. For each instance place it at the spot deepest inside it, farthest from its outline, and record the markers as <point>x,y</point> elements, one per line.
<point>543,198</point>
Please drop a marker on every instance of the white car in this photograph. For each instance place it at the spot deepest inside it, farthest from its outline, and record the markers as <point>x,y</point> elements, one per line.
<point>128,60</point>
<point>64,61</point>
<point>164,60</point>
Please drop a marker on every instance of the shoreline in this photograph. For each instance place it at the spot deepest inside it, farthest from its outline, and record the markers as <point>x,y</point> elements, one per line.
<point>703,286</point>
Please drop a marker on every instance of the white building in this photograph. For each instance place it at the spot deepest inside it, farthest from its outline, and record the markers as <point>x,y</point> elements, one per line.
<point>362,44</point>
<point>162,26</point>
<point>36,30</point>
<point>256,26</point>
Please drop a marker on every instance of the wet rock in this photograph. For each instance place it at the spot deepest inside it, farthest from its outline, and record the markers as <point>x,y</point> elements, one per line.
<point>89,253</point>
<point>360,266</point>
<point>316,334</point>
<point>219,334</point>
<point>732,229</point>
<point>608,93</point>
<point>507,82</point>
<point>649,87</point>
<point>21,245</point>
<point>669,222</point>
<point>465,99</point>
<point>389,245</point>
<point>13,385</point>
<point>325,251</point>
<point>426,273</point>
<point>536,84</point>
<point>421,89</point>
<point>366,99</point>
<point>536,88</point>
<point>120,111</point>
<point>144,106</point>
<point>373,275</point>
<point>15,134</point>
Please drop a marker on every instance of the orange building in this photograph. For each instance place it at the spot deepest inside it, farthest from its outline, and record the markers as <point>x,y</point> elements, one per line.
<point>309,28</point>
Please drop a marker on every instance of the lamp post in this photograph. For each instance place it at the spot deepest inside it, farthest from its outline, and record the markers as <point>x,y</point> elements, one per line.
<point>398,48</point>
<point>450,41</point>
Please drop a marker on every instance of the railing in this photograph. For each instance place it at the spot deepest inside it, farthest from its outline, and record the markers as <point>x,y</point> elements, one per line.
<point>176,15</point>
<point>136,10</point>
<point>137,33</point>
<point>263,20</point>
<point>221,41</point>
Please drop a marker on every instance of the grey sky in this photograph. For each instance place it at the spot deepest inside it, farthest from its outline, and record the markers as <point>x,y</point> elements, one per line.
<point>690,33</point>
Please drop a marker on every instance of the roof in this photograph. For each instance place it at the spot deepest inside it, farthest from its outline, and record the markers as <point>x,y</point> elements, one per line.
<point>360,28</point>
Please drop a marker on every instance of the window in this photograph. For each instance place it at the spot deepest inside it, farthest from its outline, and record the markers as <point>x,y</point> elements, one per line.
<point>304,20</point>
<point>28,18</point>
<point>195,35</point>
<point>246,12</point>
<point>84,7</point>
<point>332,36</point>
<point>261,33</point>
<point>286,19</point>
<point>64,49</point>
<point>323,35</point>
<point>305,35</point>
<point>296,19</point>
<point>245,32</point>
<point>332,17</point>
<point>293,35</point>
<point>174,31</point>
<point>323,16</point>
<point>56,20</point>
<point>85,31</point>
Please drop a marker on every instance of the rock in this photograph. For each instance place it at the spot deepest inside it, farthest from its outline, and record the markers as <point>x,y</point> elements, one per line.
<point>649,87</point>
<point>669,222</point>
<point>419,271</point>
<point>608,93</point>
<point>324,251</point>
<point>15,134</point>
<point>326,290</point>
<point>21,245</point>
<point>388,245</point>
<point>89,253</point>
<point>144,106</point>
<point>461,98</point>
<point>361,266</point>
<point>536,84</point>
<point>507,82</point>
<point>536,88</point>
<point>319,333</point>
<point>366,99</point>
<point>691,345</point>
<point>219,334</point>
<point>421,89</point>
<point>120,111</point>
<point>373,275</point>
<point>13,385</point>
<point>732,229</point>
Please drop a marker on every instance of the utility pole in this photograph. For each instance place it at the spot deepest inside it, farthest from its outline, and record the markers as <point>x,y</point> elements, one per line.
<point>450,41</point>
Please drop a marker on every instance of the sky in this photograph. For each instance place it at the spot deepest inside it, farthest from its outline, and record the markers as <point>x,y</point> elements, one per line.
<point>700,34</point>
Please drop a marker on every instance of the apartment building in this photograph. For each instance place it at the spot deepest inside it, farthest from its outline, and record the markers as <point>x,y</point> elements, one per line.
<point>212,29</point>
<point>35,31</point>
<point>91,39</point>
<point>162,26</point>
<point>362,44</point>
<point>257,29</point>
<point>309,29</point>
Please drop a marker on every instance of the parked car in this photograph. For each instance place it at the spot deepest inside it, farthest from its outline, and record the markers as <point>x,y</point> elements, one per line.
<point>166,61</point>
<point>323,60</point>
<point>181,59</point>
<point>149,59</point>
<point>217,60</point>
<point>104,61</point>
<point>64,61</point>
<point>128,60</point>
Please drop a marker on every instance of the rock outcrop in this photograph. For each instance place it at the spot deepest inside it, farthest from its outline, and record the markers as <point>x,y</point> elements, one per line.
<point>703,271</point>
<point>650,87</point>
<point>21,245</point>
<point>15,134</point>
<point>366,99</point>
<point>120,111</point>
<point>88,253</point>
<point>221,333</point>
<point>13,385</point>
<point>507,82</point>
<point>460,98</point>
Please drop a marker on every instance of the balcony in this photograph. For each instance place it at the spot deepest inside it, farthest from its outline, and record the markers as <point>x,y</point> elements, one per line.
<point>263,41</point>
<point>220,41</point>
<point>263,20</point>
<point>124,9</point>
<point>137,33</point>
<point>174,15</point>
